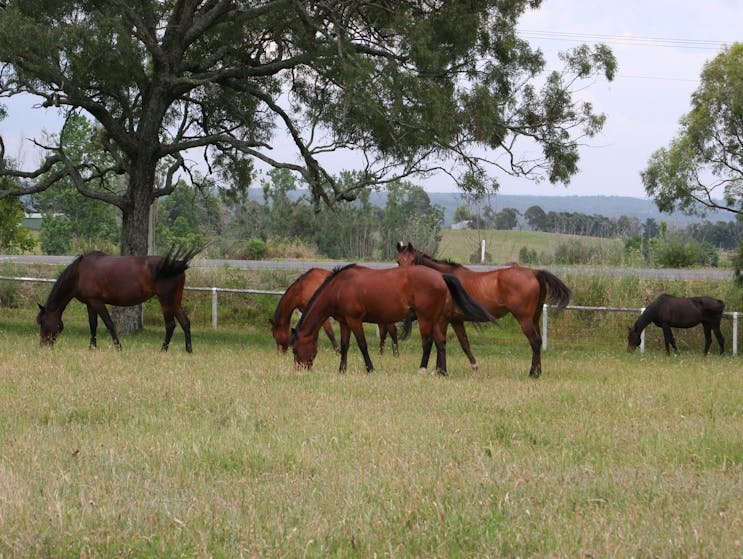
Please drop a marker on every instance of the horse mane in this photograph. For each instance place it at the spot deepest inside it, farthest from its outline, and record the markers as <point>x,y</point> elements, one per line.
<point>65,275</point>
<point>419,256</point>
<point>337,270</point>
<point>276,313</point>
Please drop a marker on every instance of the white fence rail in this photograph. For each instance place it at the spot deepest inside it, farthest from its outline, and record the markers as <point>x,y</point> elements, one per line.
<point>545,313</point>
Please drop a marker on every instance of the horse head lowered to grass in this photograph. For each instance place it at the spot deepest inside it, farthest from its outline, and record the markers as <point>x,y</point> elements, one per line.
<point>669,312</point>
<point>297,296</point>
<point>356,294</point>
<point>97,279</point>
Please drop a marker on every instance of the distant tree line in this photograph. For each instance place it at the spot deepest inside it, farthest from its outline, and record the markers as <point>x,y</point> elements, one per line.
<point>724,235</point>
<point>284,222</point>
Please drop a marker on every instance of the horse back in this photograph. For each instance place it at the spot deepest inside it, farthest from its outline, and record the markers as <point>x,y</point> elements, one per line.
<point>117,280</point>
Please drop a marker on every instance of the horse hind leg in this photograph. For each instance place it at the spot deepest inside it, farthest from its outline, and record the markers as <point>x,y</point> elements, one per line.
<point>392,329</point>
<point>531,331</point>
<point>720,338</point>
<point>331,336</point>
<point>707,338</point>
<point>464,342</point>
<point>185,323</point>
<point>169,320</point>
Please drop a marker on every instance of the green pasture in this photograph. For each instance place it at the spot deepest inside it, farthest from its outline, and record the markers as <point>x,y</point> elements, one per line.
<point>230,452</point>
<point>504,246</point>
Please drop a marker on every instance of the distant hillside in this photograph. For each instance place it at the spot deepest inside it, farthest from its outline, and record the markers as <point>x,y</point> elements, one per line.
<point>609,206</point>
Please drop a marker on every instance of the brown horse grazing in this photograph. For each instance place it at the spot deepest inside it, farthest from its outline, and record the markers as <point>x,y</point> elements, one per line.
<point>669,312</point>
<point>518,290</point>
<point>297,295</point>
<point>96,279</point>
<point>356,294</point>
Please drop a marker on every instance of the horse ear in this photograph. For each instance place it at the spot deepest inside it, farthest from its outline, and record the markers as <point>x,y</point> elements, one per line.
<point>399,246</point>
<point>410,246</point>
<point>41,307</point>
<point>270,321</point>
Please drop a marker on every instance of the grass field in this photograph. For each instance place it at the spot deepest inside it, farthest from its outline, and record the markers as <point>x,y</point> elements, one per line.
<point>504,246</point>
<point>229,452</point>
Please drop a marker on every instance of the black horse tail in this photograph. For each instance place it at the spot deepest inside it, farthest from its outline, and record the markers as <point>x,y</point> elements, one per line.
<point>472,309</point>
<point>176,261</point>
<point>553,287</point>
<point>407,325</point>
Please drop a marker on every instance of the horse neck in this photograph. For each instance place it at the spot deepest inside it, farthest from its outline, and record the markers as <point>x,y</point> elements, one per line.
<point>645,318</point>
<point>314,317</point>
<point>63,291</point>
<point>285,308</point>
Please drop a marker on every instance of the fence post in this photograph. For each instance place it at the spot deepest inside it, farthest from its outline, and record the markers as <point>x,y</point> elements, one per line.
<point>735,333</point>
<point>642,335</point>
<point>544,326</point>
<point>214,307</point>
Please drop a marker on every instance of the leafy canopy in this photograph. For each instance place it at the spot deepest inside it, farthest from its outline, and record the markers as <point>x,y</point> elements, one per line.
<point>414,86</point>
<point>703,166</point>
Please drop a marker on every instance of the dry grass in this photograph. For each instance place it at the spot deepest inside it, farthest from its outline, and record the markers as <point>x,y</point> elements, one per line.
<point>229,452</point>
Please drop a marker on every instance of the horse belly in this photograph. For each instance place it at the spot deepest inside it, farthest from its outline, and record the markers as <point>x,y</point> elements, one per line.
<point>122,290</point>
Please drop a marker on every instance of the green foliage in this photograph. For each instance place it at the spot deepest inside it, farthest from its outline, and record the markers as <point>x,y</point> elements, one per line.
<point>166,79</point>
<point>528,256</point>
<point>676,251</point>
<point>409,217</point>
<point>188,217</point>
<point>462,213</point>
<point>14,239</point>
<point>255,249</point>
<point>72,222</point>
<point>701,167</point>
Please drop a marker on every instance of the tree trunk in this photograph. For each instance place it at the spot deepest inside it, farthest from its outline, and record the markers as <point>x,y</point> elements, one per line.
<point>134,234</point>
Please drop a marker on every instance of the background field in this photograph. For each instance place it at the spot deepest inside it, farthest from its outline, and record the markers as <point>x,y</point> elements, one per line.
<point>230,452</point>
<point>504,246</point>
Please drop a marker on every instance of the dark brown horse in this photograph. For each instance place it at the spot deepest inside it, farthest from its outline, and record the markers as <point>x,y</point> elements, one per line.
<point>669,312</point>
<point>96,279</point>
<point>516,290</point>
<point>297,295</point>
<point>355,294</point>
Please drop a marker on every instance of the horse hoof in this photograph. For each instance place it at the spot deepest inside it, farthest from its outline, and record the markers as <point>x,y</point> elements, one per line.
<point>422,371</point>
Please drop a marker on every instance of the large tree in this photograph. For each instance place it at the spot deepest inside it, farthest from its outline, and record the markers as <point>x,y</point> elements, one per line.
<point>411,85</point>
<point>703,166</point>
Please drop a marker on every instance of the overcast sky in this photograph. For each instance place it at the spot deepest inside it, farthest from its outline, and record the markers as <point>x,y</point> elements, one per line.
<point>660,45</point>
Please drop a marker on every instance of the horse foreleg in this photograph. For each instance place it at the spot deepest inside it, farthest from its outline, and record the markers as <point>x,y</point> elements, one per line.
<point>329,331</point>
<point>101,309</point>
<point>427,343</point>
<point>93,323</point>
<point>461,333</point>
<point>358,332</point>
<point>345,340</point>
